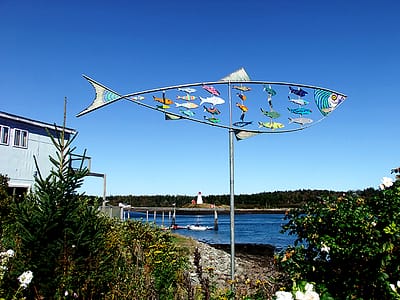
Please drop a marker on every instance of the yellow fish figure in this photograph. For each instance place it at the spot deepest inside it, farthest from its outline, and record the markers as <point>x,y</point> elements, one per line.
<point>242,107</point>
<point>271,125</point>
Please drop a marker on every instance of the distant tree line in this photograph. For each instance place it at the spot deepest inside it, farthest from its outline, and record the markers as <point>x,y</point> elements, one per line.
<point>277,199</point>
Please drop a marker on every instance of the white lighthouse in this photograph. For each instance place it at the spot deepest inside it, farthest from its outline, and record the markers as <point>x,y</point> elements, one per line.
<point>199,198</point>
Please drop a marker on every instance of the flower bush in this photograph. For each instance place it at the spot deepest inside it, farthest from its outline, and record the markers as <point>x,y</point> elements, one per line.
<point>348,245</point>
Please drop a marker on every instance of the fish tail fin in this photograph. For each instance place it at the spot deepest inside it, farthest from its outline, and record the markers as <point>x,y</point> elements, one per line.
<point>201,101</point>
<point>290,120</point>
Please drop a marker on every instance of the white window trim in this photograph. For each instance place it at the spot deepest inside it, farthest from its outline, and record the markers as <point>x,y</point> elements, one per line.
<point>20,144</point>
<point>1,135</point>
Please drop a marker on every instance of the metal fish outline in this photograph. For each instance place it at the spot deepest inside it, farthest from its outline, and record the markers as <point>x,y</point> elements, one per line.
<point>105,96</point>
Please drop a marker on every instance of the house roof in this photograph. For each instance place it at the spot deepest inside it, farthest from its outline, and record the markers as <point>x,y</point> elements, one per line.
<point>34,122</point>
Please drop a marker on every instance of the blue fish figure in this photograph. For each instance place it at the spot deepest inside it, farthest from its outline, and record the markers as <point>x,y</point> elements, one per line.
<point>299,92</point>
<point>187,112</point>
<point>300,111</point>
<point>241,124</point>
<point>269,90</point>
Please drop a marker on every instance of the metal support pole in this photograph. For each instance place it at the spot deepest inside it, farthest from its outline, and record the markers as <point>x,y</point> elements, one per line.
<point>231,188</point>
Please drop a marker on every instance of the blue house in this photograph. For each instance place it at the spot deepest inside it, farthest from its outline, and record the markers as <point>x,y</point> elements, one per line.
<point>20,140</point>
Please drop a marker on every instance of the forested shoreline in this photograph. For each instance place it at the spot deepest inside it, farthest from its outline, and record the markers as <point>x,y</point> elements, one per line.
<point>276,199</point>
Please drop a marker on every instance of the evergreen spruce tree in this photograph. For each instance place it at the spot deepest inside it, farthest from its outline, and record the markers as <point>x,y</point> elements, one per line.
<point>60,235</point>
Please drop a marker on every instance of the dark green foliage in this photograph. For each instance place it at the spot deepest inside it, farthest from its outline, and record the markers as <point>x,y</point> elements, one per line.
<point>57,234</point>
<point>363,239</point>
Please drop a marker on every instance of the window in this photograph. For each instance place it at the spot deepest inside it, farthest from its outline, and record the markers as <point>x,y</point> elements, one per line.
<point>20,138</point>
<point>4,135</point>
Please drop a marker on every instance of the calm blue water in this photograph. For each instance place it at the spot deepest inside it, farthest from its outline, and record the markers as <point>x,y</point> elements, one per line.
<point>249,228</point>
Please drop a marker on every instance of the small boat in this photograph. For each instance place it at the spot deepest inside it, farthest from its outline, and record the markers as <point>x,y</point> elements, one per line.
<point>198,227</point>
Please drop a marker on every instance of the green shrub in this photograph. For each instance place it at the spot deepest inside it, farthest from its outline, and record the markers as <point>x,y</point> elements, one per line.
<point>348,245</point>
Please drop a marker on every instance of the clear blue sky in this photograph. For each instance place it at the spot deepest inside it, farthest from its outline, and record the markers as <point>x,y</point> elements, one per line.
<point>349,46</point>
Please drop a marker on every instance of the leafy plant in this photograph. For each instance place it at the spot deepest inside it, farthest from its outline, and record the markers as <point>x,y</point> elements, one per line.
<point>347,245</point>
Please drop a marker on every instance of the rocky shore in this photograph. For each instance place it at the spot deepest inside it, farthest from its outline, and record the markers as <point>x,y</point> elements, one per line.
<point>254,266</point>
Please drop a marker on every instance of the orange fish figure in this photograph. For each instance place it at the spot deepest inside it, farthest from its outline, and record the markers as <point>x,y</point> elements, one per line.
<point>241,96</point>
<point>163,100</point>
<point>242,107</point>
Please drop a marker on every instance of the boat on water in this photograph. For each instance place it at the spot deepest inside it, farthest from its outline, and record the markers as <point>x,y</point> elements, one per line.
<point>198,227</point>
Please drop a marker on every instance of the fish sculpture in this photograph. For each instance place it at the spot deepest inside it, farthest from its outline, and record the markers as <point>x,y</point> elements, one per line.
<point>212,119</point>
<point>327,101</point>
<point>164,106</point>
<point>271,125</point>
<point>213,100</point>
<point>137,98</point>
<point>269,90</point>
<point>243,108</point>
<point>212,110</point>
<point>300,121</point>
<point>241,124</point>
<point>300,111</point>
<point>187,105</point>
<point>163,100</point>
<point>241,96</point>
<point>187,90</point>
<point>186,97</point>
<point>242,88</point>
<point>211,89</point>
<point>187,112</point>
<point>299,91</point>
<point>299,101</point>
<point>271,114</point>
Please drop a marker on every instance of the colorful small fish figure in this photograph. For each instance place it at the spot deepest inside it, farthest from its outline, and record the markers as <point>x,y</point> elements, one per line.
<point>244,108</point>
<point>187,90</point>
<point>212,120</point>
<point>186,97</point>
<point>300,121</point>
<point>163,100</point>
<point>299,101</point>
<point>271,114</point>
<point>242,88</point>
<point>212,100</point>
<point>137,98</point>
<point>212,110</point>
<point>186,105</point>
<point>241,124</point>
<point>164,106</point>
<point>299,92</point>
<point>211,89</point>
<point>269,90</point>
<point>300,111</point>
<point>187,112</point>
<point>271,125</point>
<point>241,96</point>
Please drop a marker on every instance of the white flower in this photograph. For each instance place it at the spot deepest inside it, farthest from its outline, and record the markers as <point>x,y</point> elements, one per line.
<point>281,295</point>
<point>386,183</point>
<point>309,286</point>
<point>324,248</point>
<point>300,295</point>
<point>25,278</point>
<point>10,253</point>
<point>311,295</point>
